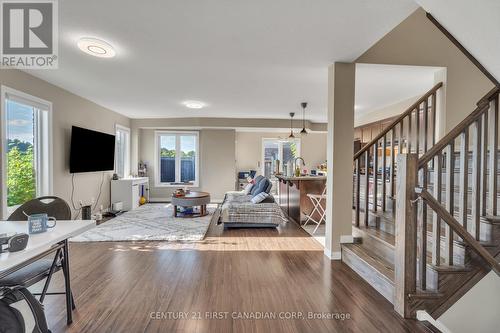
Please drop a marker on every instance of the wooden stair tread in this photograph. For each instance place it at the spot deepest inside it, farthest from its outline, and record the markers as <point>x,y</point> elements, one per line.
<point>425,294</point>
<point>385,237</point>
<point>492,219</point>
<point>450,269</point>
<point>381,265</point>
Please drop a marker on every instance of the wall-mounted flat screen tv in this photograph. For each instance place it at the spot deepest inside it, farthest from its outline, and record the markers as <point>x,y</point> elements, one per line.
<point>91,151</point>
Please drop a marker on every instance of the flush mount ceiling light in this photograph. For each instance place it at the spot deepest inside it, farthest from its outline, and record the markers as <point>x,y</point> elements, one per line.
<point>194,104</point>
<point>96,47</point>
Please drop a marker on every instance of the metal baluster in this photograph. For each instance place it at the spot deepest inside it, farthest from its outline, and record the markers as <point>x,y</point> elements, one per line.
<point>426,124</point>
<point>423,233</point>
<point>476,178</point>
<point>484,164</point>
<point>391,165</point>
<point>384,177</point>
<point>358,194</point>
<point>367,185</point>
<point>450,205</point>
<point>375,176</point>
<point>493,160</point>
<point>436,220</point>
<point>464,177</point>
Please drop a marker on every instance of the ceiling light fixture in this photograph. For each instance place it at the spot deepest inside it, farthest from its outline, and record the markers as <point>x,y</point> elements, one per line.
<point>304,131</point>
<point>194,104</point>
<point>291,136</point>
<point>96,47</point>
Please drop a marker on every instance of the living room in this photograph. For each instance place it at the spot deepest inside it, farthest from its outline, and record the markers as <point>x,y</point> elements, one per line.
<point>230,166</point>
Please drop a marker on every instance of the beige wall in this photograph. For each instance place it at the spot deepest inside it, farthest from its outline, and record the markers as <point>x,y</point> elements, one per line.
<point>383,113</point>
<point>69,109</point>
<point>249,149</point>
<point>217,162</point>
<point>477,310</point>
<point>416,41</point>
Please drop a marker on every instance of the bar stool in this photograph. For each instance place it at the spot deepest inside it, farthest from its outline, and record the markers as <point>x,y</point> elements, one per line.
<point>317,200</point>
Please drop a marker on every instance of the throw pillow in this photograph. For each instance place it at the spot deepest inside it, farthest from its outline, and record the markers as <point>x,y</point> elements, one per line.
<point>259,197</point>
<point>260,187</point>
<point>256,189</point>
<point>248,188</point>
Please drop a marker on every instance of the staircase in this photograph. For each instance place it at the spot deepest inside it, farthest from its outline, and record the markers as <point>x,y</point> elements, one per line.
<point>425,213</point>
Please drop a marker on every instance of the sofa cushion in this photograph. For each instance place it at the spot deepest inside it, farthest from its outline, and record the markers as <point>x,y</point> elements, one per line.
<point>259,197</point>
<point>269,187</point>
<point>248,188</point>
<point>269,199</point>
<point>255,188</point>
<point>261,187</point>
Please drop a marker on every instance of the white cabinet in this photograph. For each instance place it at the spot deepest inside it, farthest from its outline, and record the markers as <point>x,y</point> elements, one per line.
<point>129,191</point>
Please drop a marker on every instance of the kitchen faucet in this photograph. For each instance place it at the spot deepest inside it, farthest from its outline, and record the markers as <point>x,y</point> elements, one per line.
<point>295,163</point>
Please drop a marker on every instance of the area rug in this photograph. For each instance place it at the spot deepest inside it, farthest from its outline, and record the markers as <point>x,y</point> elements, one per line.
<point>151,222</point>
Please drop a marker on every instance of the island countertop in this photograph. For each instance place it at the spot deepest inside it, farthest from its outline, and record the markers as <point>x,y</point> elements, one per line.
<point>292,178</point>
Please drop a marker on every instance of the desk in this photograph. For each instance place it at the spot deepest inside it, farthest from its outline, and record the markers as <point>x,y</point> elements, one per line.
<point>41,245</point>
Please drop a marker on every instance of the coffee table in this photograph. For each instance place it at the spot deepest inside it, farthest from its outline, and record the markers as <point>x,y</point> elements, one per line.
<point>192,199</point>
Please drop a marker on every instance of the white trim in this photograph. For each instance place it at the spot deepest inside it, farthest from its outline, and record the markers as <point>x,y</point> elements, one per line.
<point>298,141</point>
<point>177,161</point>
<point>38,103</point>
<point>346,239</point>
<point>424,316</point>
<point>332,255</point>
<point>127,162</point>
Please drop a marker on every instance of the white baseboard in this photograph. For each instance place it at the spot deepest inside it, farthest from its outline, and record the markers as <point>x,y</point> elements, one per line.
<point>346,239</point>
<point>424,316</point>
<point>333,255</point>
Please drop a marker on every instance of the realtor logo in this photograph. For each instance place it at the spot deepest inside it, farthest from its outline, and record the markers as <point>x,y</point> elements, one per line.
<point>28,34</point>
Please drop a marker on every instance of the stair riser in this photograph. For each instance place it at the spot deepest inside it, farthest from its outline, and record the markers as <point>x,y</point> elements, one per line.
<point>369,274</point>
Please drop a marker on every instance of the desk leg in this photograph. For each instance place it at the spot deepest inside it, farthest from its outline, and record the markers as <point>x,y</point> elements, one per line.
<point>67,284</point>
<point>175,211</point>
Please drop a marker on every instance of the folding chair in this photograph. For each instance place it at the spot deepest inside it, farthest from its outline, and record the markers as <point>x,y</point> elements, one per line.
<point>317,200</point>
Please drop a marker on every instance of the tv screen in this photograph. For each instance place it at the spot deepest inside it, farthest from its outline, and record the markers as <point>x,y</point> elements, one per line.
<point>91,151</point>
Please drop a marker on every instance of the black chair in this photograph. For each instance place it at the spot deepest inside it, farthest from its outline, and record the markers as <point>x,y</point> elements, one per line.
<point>45,267</point>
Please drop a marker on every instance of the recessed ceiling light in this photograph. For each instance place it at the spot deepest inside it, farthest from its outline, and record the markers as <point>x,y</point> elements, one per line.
<point>194,104</point>
<point>96,47</point>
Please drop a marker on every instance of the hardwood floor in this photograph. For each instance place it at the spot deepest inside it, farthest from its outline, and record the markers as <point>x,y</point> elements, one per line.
<point>143,287</point>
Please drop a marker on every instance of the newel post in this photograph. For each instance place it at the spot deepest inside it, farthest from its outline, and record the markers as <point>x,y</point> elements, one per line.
<point>406,234</point>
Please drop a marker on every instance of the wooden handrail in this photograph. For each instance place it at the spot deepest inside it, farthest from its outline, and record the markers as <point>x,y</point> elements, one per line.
<point>489,96</point>
<point>459,229</point>
<point>445,141</point>
<point>398,120</point>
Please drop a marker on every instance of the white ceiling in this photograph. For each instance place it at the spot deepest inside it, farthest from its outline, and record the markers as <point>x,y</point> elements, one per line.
<point>378,86</point>
<point>475,24</point>
<point>243,58</point>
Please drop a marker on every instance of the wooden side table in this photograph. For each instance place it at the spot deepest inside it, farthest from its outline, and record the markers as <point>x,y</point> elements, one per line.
<point>192,199</point>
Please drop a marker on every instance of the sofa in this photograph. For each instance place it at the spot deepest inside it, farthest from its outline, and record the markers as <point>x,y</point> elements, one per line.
<point>238,210</point>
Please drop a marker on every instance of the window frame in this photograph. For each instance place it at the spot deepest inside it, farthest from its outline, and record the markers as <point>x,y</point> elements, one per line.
<point>126,162</point>
<point>177,134</point>
<point>280,142</point>
<point>44,167</point>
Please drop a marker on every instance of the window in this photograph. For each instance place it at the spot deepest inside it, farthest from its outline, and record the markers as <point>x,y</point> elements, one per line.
<point>276,149</point>
<point>27,144</point>
<point>177,158</point>
<point>122,151</point>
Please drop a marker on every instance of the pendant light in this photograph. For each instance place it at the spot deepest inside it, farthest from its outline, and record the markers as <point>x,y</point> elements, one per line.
<point>304,131</point>
<point>291,136</point>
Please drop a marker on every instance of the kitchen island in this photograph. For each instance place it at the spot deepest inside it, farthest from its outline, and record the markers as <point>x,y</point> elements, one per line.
<point>292,195</point>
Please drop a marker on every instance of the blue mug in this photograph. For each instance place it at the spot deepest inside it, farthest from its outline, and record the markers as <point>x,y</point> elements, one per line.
<point>38,223</point>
